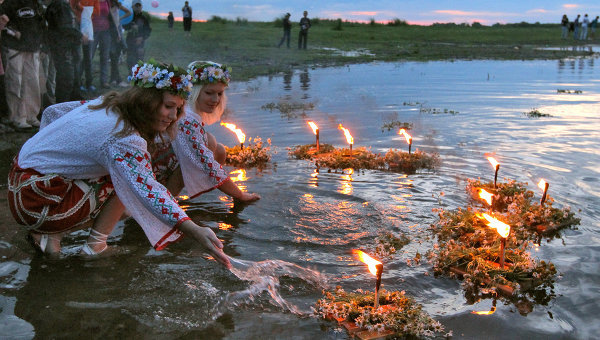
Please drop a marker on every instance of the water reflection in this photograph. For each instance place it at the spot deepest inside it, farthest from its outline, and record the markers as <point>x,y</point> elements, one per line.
<point>346,182</point>
<point>305,83</point>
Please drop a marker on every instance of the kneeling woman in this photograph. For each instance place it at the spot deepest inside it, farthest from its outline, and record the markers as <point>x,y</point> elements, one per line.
<point>94,162</point>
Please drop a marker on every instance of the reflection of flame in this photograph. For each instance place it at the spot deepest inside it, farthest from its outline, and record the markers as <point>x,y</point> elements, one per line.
<point>365,258</point>
<point>183,197</point>
<point>349,138</point>
<point>542,184</point>
<point>314,127</point>
<point>502,228</point>
<point>240,135</point>
<point>241,175</point>
<point>225,226</point>
<point>406,136</point>
<point>487,312</point>
<point>486,196</point>
<point>493,162</point>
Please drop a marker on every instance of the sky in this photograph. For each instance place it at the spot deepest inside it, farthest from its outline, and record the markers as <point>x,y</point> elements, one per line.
<point>419,12</point>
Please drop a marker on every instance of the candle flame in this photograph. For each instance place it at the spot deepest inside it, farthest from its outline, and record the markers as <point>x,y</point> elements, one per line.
<point>368,260</point>
<point>349,138</point>
<point>502,228</point>
<point>486,196</point>
<point>542,184</point>
<point>487,312</point>
<point>314,127</point>
<point>406,136</point>
<point>240,135</point>
<point>493,162</point>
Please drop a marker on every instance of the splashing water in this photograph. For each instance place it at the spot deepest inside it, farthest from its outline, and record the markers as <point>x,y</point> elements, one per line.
<point>264,277</point>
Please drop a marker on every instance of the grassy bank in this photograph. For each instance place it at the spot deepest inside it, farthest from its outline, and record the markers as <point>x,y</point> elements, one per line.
<point>251,47</point>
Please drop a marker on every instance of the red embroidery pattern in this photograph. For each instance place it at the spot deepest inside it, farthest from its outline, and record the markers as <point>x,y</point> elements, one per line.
<point>141,169</point>
<point>189,128</point>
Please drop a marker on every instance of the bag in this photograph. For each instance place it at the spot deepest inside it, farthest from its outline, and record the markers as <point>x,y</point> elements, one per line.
<point>87,28</point>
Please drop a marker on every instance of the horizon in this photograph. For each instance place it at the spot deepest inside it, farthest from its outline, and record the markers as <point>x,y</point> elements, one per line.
<point>423,13</point>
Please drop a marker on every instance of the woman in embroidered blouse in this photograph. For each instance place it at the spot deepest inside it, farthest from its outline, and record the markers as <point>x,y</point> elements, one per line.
<point>64,176</point>
<point>206,105</point>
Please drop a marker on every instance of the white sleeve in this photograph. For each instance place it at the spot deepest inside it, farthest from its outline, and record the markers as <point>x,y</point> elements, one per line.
<point>148,201</point>
<point>201,172</point>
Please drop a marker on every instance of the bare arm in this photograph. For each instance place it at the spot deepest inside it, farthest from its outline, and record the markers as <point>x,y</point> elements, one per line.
<point>231,189</point>
<point>207,239</point>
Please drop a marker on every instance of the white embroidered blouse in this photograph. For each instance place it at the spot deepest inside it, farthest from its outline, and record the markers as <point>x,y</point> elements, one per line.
<point>79,143</point>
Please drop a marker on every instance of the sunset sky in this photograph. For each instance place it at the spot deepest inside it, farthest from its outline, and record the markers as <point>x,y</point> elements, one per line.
<point>422,12</point>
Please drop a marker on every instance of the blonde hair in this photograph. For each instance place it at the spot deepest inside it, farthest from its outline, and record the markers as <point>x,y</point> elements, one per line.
<point>207,118</point>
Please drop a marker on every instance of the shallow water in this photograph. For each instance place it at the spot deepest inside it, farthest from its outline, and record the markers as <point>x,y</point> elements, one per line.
<point>299,236</point>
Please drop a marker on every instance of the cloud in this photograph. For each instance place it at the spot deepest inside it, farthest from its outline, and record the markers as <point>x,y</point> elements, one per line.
<point>570,6</point>
<point>538,10</point>
<point>470,14</point>
<point>363,13</point>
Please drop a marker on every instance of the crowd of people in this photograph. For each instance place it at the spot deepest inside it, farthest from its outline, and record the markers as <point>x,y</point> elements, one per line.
<point>582,28</point>
<point>48,47</point>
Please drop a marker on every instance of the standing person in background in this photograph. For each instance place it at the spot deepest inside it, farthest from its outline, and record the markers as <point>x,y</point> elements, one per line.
<point>565,26</point>
<point>47,70</point>
<point>584,27</point>
<point>117,42</point>
<point>138,30</point>
<point>84,11</point>
<point>23,61</point>
<point>3,106</point>
<point>576,27</point>
<point>187,19</point>
<point>171,21</point>
<point>64,39</point>
<point>593,25</point>
<point>287,28</point>
<point>102,39</point>
<point>304,26</point>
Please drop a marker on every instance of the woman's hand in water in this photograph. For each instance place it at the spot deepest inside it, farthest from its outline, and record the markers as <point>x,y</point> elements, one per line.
<point>207,239</point>
<point>248,197</point>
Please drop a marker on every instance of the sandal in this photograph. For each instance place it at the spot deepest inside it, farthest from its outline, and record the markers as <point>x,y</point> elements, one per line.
<point>41,246</point>
<point>98,238</point>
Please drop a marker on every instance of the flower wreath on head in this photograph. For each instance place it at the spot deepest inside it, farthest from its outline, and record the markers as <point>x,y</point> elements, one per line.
<point>161,76</point>
<point>208,72</point>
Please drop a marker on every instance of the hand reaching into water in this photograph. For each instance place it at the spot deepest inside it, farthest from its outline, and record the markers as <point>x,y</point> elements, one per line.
<point>207,239</point>
<point>248,197</point>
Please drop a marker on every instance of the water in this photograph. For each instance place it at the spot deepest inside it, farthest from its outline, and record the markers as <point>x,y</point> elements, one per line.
<point>298,238</point>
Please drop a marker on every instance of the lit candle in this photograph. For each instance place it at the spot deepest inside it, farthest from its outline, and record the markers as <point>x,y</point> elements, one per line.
<point>487,196</point>
<point>544,186</point>
<point>349,138</point>
<point>375,267</point>
<point>502,228</point>
<point>315,129</point>
<point>240,135</point>
<point>407,137</point>
<point>496,166</point>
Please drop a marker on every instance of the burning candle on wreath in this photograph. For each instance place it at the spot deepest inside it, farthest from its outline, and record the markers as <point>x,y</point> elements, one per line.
<point>544,186</point>
<point>486,196</point>
<point>315,129</point>
<point>502,228</point>
<point>349,138</point>
<point>240,135</point>
<point>407,137</point>
<point>375,267</point>
<point>496,167</point>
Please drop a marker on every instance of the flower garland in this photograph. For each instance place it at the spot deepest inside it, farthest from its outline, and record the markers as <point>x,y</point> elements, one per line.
<point>208,72</point>
<point>162,77</point>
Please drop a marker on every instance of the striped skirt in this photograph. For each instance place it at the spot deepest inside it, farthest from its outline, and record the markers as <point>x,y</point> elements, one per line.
<point>52,203</point>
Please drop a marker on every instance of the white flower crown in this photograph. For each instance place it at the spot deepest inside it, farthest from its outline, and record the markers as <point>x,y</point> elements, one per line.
<point>169,78</point>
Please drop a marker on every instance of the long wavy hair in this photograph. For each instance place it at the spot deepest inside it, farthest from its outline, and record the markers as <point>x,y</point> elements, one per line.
<point>138,109</point>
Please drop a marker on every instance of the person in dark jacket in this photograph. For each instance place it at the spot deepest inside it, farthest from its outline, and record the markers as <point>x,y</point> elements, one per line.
<point>138,30</point>
<point>23,61</point>
<point>304,26</point>
<point>64,39</point>
<point>287,28</point>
